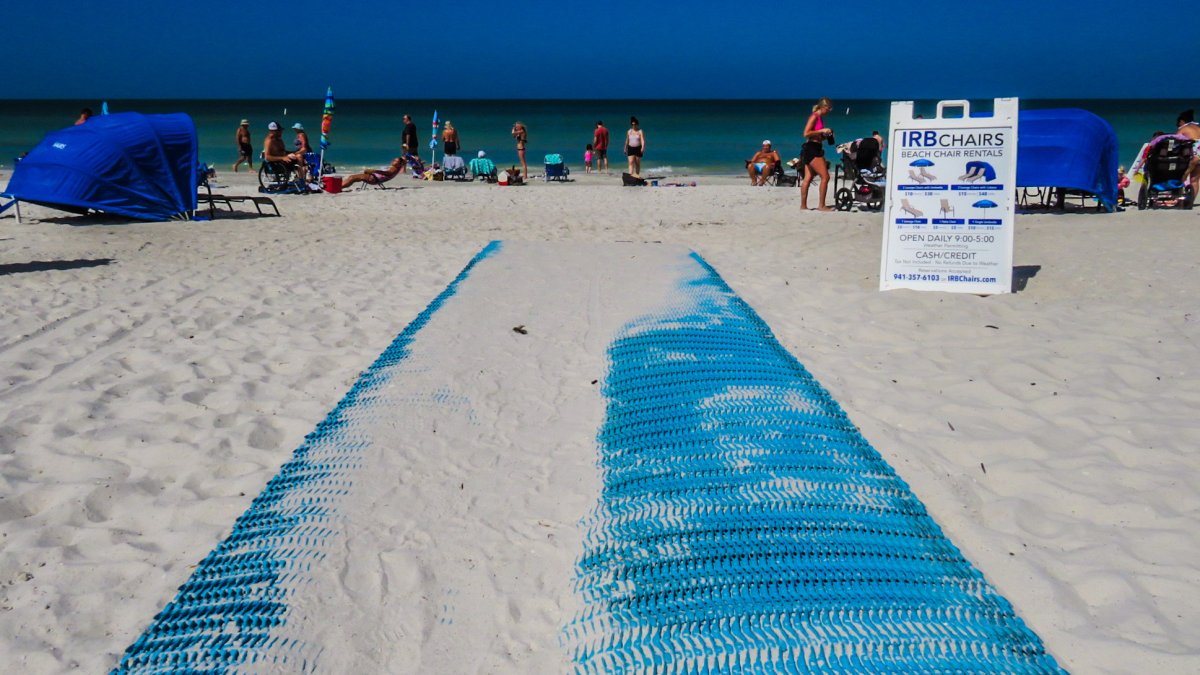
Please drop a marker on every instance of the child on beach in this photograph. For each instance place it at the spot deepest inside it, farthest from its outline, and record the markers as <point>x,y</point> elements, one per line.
<point>1122,183</point>
<point>587,159</point>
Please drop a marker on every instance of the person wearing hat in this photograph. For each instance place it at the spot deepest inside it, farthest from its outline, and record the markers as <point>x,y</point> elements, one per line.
<point>275,151</point>
<point>762,164</point>
<point>245,146</point>
<point>302,145</point>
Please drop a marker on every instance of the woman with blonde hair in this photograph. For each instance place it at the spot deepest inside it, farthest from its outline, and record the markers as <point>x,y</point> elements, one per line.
<point>520,133</point>
<point>812,155</point>
<point>450,142</point>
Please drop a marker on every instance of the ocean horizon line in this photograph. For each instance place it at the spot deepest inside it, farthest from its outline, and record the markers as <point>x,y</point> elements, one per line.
<point>589,99</point>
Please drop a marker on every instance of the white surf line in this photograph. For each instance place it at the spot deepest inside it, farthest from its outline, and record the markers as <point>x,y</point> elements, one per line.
<point>450,545</point>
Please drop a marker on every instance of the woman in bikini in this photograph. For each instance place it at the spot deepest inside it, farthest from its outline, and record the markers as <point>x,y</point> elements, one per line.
<point>812,154</point>
<point>520,133</point>
<point>375,176</point>
<point>635,146</point>
<point>450,142</point>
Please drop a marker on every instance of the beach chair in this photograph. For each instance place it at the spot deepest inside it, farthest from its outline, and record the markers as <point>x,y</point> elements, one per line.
<point>205,194</point>
<point>556,169</point>
<point>415,165</point>
<point>13,204</point>
<point>483,168</point>
<point>377,180</point>
<point>454,168</point>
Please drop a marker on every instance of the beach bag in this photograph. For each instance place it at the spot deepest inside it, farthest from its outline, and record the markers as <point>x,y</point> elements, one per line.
<point>631,180</point>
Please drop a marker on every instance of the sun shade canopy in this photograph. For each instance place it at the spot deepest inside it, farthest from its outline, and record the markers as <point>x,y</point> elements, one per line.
<point>1068,148</point>
<point>135,165</point>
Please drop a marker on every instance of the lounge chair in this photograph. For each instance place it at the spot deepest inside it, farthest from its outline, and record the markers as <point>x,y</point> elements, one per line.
<point>482,167</point>
<point>454,168</point>
<point>377,180</point>
<point>556,169</point>
<point>204,193</point>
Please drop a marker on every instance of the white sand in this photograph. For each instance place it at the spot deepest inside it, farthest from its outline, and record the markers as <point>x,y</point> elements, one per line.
<point>145,402</point>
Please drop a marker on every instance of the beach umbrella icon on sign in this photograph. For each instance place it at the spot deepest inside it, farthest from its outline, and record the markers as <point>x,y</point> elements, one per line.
<point>985,204</point>
<point>921,163</point>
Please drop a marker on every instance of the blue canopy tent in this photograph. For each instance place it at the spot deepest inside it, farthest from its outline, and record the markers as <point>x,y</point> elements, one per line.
<point>1068,148</point>
<point>130,164</point>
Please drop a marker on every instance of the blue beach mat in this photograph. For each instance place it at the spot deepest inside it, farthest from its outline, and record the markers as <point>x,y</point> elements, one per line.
<point>739,521</point>
<point>745,525</point>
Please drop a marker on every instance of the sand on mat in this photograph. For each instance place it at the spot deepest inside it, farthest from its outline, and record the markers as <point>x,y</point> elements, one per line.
<point>153,377</point>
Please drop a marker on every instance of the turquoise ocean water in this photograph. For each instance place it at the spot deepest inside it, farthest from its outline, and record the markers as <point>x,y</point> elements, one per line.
<point>682,136</point>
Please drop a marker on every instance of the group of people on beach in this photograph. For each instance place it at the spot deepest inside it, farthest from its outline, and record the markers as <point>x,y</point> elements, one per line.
<point>274,149</point>
<point>595,154</point>
<point>812,157</point>
<point>761,166</point>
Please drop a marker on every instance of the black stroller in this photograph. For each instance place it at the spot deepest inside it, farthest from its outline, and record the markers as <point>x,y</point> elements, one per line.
<point>1167,161</point>
<point>864,176</point>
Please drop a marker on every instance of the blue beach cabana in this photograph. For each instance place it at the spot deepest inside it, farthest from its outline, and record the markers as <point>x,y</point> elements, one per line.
<point>129,164</point>
<point>1068,148</point>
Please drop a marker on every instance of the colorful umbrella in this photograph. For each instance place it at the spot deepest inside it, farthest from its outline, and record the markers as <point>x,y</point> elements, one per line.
<point>433,140</point>
<point>326,124</point>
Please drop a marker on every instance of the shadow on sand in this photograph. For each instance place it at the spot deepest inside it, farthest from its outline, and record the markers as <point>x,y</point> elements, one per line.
<point>47,265</point>
<point>1022,274</point>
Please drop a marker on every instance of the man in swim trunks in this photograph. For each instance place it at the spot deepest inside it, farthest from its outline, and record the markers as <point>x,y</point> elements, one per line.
<point>600,147</point>
<point>274,150</point>
<point>245,146</point>
<point>1188,127</point>
<point>375,176</point>
<point>409,135</point>
<point>762,164</point>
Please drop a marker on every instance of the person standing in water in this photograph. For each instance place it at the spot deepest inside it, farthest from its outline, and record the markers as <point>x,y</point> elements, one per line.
<point>600,144</point>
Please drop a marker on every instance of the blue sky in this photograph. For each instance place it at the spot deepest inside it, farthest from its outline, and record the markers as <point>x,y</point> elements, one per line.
<point>123,49</point>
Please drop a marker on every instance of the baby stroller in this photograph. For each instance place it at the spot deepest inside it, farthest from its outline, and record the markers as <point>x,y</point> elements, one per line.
<point>862,168</point>
<point>1166,163</point>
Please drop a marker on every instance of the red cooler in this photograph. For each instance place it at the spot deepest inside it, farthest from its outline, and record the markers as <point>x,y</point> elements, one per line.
<point>332,184</point>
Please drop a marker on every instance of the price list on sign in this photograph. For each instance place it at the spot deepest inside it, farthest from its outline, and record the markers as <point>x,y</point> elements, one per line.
<point>949,206</point>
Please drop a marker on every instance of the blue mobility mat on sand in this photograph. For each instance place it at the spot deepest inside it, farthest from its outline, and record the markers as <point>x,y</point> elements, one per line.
<point>745,525</point>
<point>223,615</point>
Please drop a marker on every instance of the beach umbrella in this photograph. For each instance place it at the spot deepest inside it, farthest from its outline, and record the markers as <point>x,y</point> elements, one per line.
<point>920,162</point>
<point>326,124</point>
<point>985,204</point>
<point>433,140</point>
